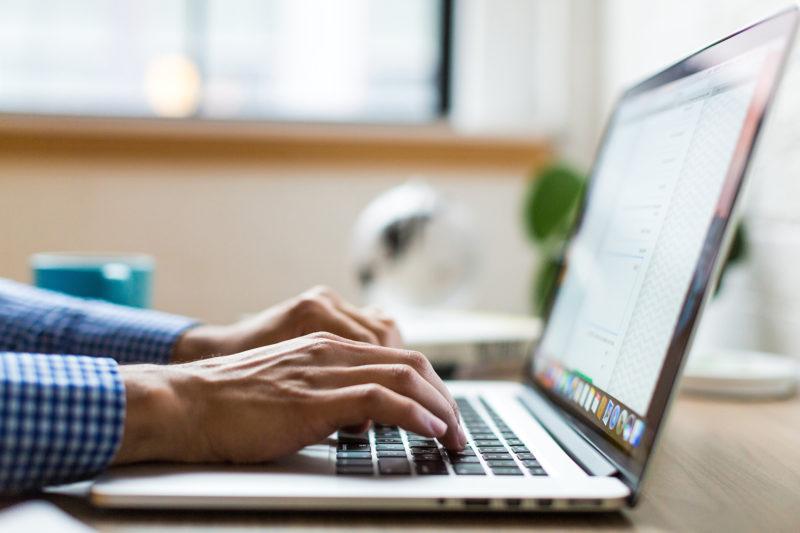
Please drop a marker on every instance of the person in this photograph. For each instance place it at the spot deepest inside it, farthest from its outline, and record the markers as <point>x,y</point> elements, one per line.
<point>86,384</point>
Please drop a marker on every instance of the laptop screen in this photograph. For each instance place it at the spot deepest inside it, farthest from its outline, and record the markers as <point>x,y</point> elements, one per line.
<point>639,263</point>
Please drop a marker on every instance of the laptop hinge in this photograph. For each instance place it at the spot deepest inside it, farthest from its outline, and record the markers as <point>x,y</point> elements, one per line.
<point>582,452</point>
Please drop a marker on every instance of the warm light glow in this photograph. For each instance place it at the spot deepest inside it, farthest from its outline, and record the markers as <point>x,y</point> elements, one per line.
<point>172,85</point>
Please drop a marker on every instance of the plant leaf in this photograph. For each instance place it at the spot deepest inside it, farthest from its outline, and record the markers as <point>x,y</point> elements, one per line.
<point>551,198</point>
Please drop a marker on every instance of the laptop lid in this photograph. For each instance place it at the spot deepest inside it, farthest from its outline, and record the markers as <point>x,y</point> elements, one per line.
<point>649,236</point>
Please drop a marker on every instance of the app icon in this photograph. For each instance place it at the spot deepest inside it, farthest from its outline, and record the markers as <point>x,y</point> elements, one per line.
<point>587,401</point>
<point>596,402</point>
<point>602,407</point>
<point>607,413</point>
<point>576,390</point>
<point>579,394</point>
<point>614,418</point>
<point>637,432</point>
<point>621,422</point>
<point>564,382</point>
<point>584,394</point>
<point>626,430</point>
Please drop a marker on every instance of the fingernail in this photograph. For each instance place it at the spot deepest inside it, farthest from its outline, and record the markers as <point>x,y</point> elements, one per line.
<point>438,427</point>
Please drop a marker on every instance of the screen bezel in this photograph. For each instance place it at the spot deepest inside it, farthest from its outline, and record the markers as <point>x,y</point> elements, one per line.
<point>632,467</point>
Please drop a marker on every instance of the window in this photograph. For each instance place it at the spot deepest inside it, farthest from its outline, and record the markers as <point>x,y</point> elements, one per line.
<point>315,60</point>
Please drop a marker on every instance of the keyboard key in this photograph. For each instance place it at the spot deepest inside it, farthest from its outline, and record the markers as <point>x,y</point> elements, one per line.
<point>422,444</point>
<point>538,471</point>
<point>531,463</point>
<point>496,456</point>
<point>394,467</point>
<point>385,447</point>
<point>431,469</point>
<point>525,455</point>
<point>391,453</point>
<point>464,459</point>
<point>492,449</point>
<point>508,434</point>
<point>514,442</point>
<point>354,462</point>
<point>353,455</point>
<point>388,440</point>
<point>356,470</point>
<point>427,457</point>
<point>488,442</point>
<point>464,452</point>
<point>469,469</point>
<point>353,446</point>
<point>507,471</point>
<point>520,449</point>
<point>420,451</point>
<point>500,462</point>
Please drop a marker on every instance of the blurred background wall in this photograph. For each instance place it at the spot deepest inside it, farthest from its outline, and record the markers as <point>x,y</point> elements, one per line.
<point>242,215</point>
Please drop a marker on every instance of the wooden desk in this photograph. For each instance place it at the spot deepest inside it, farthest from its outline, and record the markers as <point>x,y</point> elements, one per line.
<point>723,466</point>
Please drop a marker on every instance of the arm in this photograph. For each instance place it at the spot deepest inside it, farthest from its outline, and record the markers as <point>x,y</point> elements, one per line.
<point>61,418</point>
<point>65,418</point>
<point>38,321</point>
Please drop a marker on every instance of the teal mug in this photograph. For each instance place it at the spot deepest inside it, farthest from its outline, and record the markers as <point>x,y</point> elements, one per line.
<point>124,279</point>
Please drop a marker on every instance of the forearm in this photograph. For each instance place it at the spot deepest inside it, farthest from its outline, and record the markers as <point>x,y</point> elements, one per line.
<point>37,321</point>
<point>61,418</point>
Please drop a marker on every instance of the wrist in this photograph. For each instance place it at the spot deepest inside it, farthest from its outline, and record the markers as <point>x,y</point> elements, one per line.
<point>198,342</point>
<point>155,426</point>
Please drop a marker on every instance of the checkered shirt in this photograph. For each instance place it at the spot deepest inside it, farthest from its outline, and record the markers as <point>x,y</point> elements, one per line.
<point>61,416</point>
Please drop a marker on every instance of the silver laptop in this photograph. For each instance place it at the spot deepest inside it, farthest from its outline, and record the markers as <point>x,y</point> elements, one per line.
<point>579,431</point>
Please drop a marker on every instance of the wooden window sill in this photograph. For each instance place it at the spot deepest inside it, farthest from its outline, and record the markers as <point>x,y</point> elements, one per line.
<point>110,137</point>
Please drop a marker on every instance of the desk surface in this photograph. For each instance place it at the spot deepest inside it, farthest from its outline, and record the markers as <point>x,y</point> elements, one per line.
<point>722,466</point>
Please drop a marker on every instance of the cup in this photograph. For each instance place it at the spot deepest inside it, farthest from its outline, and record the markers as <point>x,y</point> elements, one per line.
<point>124,279</point>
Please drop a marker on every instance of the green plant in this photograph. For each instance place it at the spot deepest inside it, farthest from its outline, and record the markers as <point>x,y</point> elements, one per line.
<point>551,204</point>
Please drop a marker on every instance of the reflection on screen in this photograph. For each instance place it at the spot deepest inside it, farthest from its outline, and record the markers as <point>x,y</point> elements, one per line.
<point>654,193</point>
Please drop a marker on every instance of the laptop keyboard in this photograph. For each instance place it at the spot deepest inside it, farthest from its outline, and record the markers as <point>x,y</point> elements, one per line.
<point>493,449</point>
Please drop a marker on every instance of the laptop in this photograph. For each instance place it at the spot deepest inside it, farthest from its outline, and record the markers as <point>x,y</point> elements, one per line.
<point>578,432</point>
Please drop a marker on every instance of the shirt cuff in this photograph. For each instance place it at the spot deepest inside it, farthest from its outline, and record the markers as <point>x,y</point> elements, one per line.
<point>61,418</point>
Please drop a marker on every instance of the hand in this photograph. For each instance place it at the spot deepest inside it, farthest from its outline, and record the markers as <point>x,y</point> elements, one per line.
<point>269,402</point>
<point>318,309</point>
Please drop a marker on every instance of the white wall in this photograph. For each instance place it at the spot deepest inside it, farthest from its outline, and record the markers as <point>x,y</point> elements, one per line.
<point>233,236</point>
<point>761,305</point>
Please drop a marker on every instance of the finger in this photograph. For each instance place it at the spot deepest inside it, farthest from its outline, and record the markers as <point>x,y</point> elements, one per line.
<point>335,321</point>
<point>404,380</point>
<point>377,327</point>
<point>352,406</point>
<point>358,430</point>
<point>372,324</point>
<point>343,352</point>
<point>379,324</point>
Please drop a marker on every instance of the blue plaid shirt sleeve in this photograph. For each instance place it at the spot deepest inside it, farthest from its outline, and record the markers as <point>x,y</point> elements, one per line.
<point>61,418</point>
<point>39,321</point>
